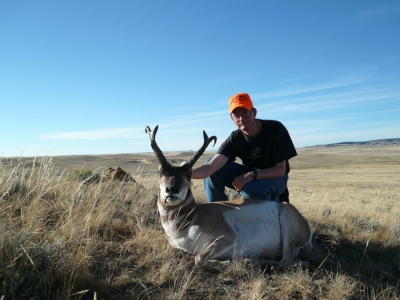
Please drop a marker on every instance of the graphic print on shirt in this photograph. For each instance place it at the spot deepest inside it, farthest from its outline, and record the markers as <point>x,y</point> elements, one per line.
<point>255,153</point>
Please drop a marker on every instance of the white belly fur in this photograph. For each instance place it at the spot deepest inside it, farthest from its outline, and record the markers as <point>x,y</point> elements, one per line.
<point>260,236</point>
<point>257,231</point>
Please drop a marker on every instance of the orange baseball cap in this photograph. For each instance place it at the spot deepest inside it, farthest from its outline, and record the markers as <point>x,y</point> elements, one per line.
<point>240,100</point>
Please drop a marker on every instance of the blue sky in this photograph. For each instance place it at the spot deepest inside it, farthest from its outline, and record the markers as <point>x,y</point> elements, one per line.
<point>86,77</point>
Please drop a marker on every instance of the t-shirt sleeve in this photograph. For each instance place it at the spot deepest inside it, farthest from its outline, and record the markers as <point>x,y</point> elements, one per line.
<point>227,149</point>
<point>283,146</point>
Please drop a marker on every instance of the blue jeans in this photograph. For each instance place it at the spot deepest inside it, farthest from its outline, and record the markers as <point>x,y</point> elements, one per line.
<point>265,189</point>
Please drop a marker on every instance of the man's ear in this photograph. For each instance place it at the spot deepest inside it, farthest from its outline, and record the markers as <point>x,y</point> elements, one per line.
<point>255,112</point>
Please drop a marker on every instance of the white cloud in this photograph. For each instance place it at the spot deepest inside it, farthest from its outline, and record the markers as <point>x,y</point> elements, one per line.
<point>95,134</point>
<point>313,114</point>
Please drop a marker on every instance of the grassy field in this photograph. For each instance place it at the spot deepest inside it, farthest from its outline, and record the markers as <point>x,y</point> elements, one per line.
<point>61,239</point>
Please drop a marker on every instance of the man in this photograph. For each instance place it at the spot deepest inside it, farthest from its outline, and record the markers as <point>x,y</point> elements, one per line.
<point>264,146</point>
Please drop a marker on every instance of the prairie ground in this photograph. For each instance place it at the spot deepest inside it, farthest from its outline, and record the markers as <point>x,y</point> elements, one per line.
<point>62,239</point>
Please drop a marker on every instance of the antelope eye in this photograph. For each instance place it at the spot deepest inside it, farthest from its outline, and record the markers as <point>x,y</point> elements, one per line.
<point>189,178</point>
<point>160,174</point>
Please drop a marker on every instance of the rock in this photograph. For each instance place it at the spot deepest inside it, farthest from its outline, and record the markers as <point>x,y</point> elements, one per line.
<point>117,174</point>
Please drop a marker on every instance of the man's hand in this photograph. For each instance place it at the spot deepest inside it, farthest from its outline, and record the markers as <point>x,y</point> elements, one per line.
<point>276,171</point>
<point>240,181</point>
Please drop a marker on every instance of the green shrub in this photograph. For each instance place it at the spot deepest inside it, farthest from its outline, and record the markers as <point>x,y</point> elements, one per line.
<point>83,175</point>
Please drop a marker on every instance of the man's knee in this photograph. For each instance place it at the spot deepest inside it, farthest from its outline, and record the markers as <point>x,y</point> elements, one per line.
<point>269,189</point>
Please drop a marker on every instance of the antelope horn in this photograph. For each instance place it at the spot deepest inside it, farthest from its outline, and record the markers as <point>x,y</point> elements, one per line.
<point>152,134</point>
<point>207,141</point>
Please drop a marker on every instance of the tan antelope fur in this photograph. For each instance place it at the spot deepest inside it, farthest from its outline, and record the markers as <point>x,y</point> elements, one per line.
<point>248,228</point>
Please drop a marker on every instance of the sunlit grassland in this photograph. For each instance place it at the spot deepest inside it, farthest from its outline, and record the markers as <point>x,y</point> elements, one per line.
<point>62,239</point>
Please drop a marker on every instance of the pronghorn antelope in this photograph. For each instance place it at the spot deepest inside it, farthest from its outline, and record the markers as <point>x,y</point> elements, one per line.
<point>250,228</point>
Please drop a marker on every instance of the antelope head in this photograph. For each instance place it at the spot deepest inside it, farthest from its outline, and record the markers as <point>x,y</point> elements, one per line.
<point>175,181</point>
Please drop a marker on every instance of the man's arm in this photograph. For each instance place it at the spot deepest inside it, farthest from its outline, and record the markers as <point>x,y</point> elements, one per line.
<point>276,171</point>
<point>206,170</point>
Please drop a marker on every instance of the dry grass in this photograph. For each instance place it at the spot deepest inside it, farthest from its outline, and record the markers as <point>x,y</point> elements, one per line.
<point>61,239</point>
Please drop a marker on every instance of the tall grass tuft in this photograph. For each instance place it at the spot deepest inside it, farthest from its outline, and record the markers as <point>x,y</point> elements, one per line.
<point>83,175</point>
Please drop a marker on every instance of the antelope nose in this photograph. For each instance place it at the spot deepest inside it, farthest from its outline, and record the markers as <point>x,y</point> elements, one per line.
<point>171,189</point>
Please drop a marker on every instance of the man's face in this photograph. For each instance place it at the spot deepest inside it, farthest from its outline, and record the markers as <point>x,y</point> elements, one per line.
<point>243,118</point>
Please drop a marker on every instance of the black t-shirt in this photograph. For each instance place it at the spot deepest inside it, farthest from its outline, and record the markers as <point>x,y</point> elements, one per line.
<point>271,146</point>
